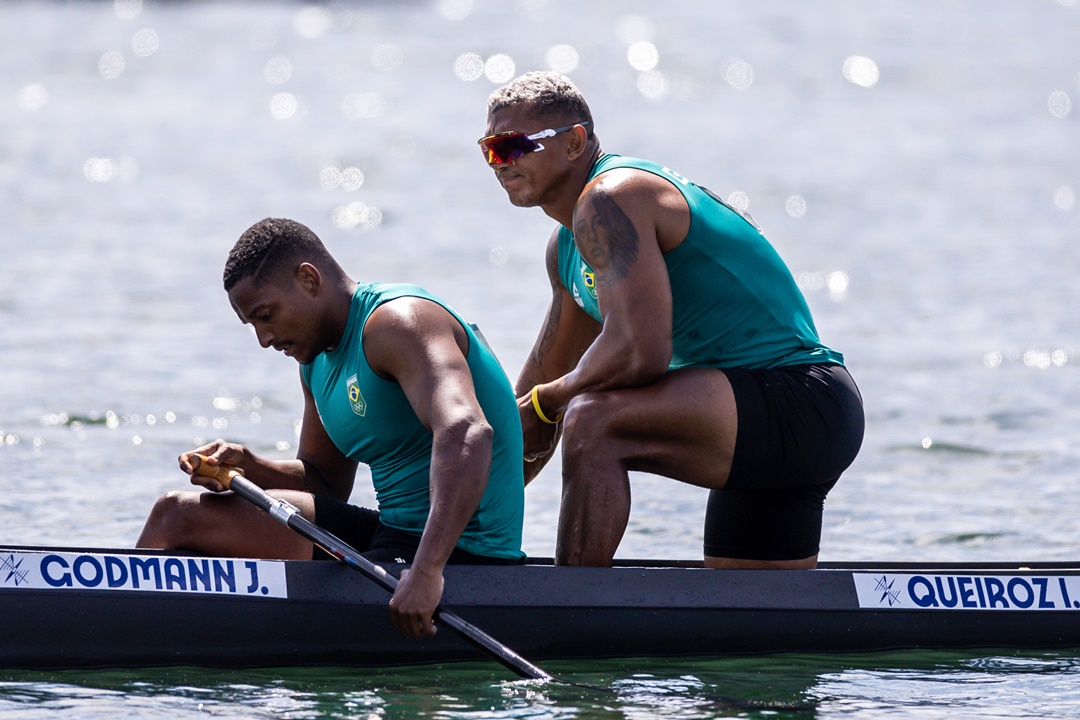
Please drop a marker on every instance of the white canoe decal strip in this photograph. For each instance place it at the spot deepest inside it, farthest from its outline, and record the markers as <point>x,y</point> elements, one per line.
<point>897,591</point>
<point>42,570</point>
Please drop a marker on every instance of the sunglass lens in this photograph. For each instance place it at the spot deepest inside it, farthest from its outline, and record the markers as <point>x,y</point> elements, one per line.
<point>507,148</point>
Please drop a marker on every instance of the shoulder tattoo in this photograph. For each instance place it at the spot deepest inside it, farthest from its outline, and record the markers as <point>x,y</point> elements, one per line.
<point>605,237</point>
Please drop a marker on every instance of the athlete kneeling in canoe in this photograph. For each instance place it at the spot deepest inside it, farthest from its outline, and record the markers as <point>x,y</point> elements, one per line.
<point>392,377</point>
<point>676,343</point>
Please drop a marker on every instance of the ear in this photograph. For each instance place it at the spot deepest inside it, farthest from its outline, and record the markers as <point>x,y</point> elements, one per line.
<point>309,278</point>
<point>577,143</point>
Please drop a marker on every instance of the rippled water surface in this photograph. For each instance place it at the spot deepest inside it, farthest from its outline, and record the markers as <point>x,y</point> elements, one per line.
<point>916,163</point>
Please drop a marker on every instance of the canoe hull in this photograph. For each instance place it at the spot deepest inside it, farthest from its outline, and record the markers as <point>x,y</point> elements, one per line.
<point>322,613</point>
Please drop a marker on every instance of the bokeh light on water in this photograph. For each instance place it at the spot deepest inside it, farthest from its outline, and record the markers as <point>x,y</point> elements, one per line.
<point>1064,198</point>
<point>861,71</point>
<point>145,42</point>
<point>32,97</point>
<point>277,70</point>
<point>562,58</point>
<point>795,206</point>
<point>111,65</point>
<point>500,68</point>
<point>1059,104</point>
<point>283,106</point>
<point>737,73</point>
<point>642,56</point>
<point>387,57</point>
<point>454,9</point>
<point>311,22</point>
<point>634,28</point>
<point>652,84</point>
<point>127,9</point>
<point>468,67</point>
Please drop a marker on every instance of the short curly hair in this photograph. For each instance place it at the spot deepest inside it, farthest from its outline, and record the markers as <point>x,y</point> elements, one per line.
<point>550,94</point>
<point>272,245</point>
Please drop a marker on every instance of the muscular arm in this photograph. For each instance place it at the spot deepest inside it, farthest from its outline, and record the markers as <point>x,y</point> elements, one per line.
<point>567,332</point>
<point>565,335</point>
<point>418,344</point>
<point>617,227</point>
<point>319,468</point>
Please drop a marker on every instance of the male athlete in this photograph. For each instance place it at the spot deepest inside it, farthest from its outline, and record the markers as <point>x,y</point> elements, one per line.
<point>391,377</point>
<point>676,343</point>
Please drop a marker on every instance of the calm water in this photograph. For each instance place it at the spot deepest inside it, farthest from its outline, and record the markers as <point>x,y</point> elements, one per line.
<point>917,164</point>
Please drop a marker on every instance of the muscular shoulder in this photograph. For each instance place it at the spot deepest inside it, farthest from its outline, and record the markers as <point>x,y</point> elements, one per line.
<point>399,328</point>
<point>637,189</point>
<point>627,196</point>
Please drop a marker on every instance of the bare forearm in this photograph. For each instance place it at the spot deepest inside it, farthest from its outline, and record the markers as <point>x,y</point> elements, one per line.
<point>609,364</point>
<point>285,475</point>
<point>531,374</point>
<point>460,465</point>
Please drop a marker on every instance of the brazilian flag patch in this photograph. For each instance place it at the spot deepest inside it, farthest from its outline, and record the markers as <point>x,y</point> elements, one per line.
<point>589,278</point>
<point>356,398</point>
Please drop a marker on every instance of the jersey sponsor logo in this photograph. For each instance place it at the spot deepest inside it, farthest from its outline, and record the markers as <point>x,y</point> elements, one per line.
<point>577,295</point>
<point>356,398</point>
<point>588,278</point>
<point>41,570</point>
<point>668,171</point>
<point>967,592</point>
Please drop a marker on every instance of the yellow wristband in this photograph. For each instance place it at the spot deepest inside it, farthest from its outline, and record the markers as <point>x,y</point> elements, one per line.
<point>539,412</point>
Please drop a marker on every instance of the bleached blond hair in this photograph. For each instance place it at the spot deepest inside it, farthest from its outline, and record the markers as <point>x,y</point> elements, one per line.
<point>550,95</point>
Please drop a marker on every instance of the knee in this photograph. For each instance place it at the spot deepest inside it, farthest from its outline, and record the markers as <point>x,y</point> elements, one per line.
<point>587,425</point>
<point>169,521</point>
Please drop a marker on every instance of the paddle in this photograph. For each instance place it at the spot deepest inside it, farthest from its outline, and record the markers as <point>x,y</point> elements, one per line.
<point>233,479</point>
<point>285,513</point>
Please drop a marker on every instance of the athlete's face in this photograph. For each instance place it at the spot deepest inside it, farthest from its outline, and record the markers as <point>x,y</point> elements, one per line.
<point>534,178</point>
<point>284,312</point>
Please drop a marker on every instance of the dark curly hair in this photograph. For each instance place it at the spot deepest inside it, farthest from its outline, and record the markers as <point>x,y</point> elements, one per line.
<point>272,245</point>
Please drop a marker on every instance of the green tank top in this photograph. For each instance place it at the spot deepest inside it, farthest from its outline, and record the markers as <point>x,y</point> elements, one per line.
<point>370,420</point>
<point>735,301</point>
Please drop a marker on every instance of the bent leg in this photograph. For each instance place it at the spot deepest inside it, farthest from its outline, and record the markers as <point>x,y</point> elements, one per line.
<point>225,524</point>
<point>801,427</point>
<point>683,426</point>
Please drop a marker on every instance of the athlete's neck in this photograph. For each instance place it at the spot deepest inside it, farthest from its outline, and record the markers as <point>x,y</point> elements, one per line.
<point>561,210</point>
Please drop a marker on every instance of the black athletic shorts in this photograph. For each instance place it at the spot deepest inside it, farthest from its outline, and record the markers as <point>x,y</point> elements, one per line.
<point>800,427</point>
<point>361,528</point>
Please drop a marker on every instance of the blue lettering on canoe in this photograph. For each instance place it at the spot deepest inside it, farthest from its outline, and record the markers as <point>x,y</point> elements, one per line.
<point>116,572</point>
<point>921,591</point>
<point>94,571</point>
<point>980,592</point>
<point>979,588</point>
<point>995,593</point>
<point>224,571</point>
<point>1029,594</point>
<point>146,567</point>
<point>253,568</point>
<point>79,570</point>
<point>967,595</point>
<point>199,571</point>
<point>1042,583</point>
<point>949,601</point>
<point>175,579</point>
<point>46,571</point>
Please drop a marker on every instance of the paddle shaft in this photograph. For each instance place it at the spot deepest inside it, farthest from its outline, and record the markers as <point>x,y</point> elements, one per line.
<point>287,514</point>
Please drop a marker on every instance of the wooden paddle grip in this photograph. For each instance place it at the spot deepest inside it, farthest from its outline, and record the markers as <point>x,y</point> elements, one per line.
<point>222,473</point>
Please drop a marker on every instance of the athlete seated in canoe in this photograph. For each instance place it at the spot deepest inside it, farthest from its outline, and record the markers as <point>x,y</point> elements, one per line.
<point>392,377</point>
<point>676,343</point>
